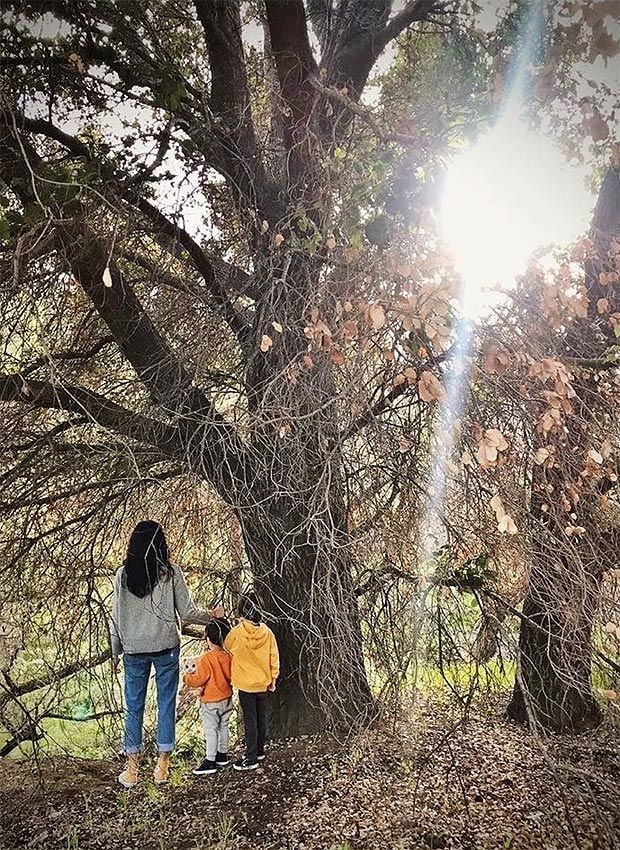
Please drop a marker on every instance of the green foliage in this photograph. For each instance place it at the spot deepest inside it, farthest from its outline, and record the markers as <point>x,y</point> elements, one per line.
<point>470,575</point>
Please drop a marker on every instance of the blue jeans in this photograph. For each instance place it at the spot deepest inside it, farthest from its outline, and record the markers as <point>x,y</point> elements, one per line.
<point>137,673</point>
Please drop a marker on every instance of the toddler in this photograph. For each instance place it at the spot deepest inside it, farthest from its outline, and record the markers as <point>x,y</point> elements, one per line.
<point>212,678</point>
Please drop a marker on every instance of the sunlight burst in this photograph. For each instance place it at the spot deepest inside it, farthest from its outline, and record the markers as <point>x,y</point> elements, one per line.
<point>509,195</point>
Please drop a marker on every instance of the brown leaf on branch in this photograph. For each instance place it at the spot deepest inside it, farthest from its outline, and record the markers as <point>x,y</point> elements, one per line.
<point>491,444</point>
<point>430,388</point>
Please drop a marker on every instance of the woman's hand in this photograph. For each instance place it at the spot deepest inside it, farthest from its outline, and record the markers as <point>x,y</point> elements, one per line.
<point>272,686</point>
<point>218,612</point>
<point>116,664</point>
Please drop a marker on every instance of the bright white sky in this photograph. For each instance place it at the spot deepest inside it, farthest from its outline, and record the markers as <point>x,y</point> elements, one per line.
<point>507,196</point>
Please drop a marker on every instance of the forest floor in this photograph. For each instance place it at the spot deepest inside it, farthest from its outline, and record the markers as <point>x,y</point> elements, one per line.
<point>426,783</point>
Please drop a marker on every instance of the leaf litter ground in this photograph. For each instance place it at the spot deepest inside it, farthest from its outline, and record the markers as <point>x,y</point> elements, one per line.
<point>427,781</point>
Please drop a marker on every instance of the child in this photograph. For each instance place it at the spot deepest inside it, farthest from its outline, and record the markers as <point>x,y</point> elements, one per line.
<point>212,677</point>
<point>254,670</point>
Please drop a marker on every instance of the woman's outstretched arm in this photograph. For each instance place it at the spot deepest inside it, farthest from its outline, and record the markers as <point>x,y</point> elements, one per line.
<point>187,610</point>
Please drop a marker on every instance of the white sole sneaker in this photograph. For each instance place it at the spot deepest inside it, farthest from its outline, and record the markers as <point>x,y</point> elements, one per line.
<point>245,766</point>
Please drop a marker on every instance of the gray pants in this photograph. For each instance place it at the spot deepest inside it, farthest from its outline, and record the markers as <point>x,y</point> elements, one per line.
<point>215,717</point>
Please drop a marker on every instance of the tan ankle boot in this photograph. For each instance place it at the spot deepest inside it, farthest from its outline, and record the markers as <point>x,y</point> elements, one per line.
<point>162,769</point>
<point>129,777</point>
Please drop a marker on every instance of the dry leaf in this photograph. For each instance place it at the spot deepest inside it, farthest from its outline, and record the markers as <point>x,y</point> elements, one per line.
<point>330,243</point>
<point>496,361</point>
<point>491,443</point>
<point>77,62</point>
<point>497,506</point>
<point>266,343</point>
<point>278,239</point>
<point>430,388</point>
<point>264,226</point>
<point>338,358</point>
<point>597,457</point>
<point>277,327</point>
<point>404,445</point>
<point>506,525</point>
<point>107,277</point>
<point>541,455</point>
<point>376,314</point>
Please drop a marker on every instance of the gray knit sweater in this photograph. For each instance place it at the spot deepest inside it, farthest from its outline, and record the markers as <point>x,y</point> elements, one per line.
<point>151,624</point>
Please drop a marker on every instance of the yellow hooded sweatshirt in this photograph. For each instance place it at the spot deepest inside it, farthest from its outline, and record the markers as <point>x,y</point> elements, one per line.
<point>255,659</point>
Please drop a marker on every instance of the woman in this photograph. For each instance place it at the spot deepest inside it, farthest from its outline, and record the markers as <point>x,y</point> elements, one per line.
<point>150,596</point>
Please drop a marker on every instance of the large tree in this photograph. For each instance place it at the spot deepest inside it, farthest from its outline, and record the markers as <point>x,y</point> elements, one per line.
<point>223,277</point>
<point>92,234</point>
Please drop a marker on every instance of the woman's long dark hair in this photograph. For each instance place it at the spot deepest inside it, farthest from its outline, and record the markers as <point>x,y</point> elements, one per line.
<point>148,558</point>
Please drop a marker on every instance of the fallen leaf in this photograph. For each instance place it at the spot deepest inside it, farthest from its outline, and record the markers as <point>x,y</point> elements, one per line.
<point>107,277</point>
<point>266,343</point>
<point>277,327</point>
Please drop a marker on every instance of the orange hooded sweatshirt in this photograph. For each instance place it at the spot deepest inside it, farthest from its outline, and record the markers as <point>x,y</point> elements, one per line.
<point>212,675</point>
<point>255,658</point>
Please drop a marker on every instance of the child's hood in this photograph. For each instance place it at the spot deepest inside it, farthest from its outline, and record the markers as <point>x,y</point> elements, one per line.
<point>255,636</point>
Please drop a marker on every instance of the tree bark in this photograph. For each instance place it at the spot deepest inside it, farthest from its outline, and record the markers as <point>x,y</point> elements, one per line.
<point>553,687</point>
<point>307,593</point>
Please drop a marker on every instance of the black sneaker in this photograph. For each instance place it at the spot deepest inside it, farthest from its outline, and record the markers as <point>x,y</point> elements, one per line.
<point>244,764</point>
<point>205,768</point>
<point>261,756</point>
<point>221,759</point>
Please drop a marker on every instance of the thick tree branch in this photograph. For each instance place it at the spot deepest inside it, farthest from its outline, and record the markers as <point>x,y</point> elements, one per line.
<point>293,55</point>
<point>208,269</point>
<point>212,442</point>
<point>230,103</point>
<point>204,266</point>
<point>357,48</point>
<point>72,354</point>
<point>413,12</point>
<point>13,690</point>
<point>97,408</point>
<point>354,108</point>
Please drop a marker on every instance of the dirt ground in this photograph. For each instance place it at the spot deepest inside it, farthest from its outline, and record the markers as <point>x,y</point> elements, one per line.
<point>419,784</point>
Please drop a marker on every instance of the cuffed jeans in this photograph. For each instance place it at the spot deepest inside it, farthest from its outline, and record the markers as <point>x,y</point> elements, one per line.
<point>254,707</point>
<point>215,717</point>
<point>137,673</point>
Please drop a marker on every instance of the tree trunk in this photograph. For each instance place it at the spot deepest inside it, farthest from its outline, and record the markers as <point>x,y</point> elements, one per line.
<point>307,593</point>
<point>553,686</point>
